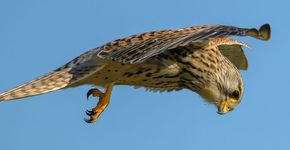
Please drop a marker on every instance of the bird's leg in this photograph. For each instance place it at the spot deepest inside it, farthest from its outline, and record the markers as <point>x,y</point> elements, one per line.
<point>104,100</point>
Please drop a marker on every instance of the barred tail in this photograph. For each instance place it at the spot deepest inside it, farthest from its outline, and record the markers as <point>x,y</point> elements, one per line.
<point>47,83</point>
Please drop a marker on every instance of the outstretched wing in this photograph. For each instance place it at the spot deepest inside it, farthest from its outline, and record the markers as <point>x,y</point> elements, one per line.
<point>138,48</point>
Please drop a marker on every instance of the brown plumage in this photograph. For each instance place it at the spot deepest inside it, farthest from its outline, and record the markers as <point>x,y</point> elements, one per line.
<point>201,58</point>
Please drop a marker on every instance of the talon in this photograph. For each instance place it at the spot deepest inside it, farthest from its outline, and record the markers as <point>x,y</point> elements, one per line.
<point>90,113</point>
<point>88,120</point>
<point>104,100</point>
<point>95,92</point>
<point>89,93</point>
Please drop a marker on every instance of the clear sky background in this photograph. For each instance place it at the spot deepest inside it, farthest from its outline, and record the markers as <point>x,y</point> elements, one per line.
<point>38,36</point>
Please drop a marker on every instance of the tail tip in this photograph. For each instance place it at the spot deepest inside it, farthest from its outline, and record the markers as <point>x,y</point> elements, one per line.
<point>264,33</point>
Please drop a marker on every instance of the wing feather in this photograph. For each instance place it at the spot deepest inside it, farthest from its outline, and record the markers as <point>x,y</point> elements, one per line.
<point>138,48</point>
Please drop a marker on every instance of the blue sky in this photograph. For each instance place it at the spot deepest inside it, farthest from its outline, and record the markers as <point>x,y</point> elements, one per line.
<point>39,36</point>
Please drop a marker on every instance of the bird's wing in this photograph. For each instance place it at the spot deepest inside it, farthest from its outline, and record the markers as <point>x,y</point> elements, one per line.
<point>138,48</point>
<point>232,49</point>
<point>69,75</point>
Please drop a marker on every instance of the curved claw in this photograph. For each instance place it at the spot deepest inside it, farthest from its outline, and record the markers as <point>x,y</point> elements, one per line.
<point>94,92</point>
<point>88,120</point>
<point>89,93</point>
<point>90,113</point>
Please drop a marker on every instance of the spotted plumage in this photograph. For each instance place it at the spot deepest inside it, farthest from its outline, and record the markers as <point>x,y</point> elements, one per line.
<point>202,59</point>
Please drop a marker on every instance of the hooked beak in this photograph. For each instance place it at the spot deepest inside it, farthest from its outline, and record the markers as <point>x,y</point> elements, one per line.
<point>223,107</point>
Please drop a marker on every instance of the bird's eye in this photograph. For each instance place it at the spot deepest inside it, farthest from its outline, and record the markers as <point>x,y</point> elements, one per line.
<point>235,94</point>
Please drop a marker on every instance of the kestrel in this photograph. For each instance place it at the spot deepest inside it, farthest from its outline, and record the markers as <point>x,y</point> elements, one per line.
<point>202,59</point>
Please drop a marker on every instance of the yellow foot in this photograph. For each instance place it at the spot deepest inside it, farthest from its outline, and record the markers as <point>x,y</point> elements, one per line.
<point>104,100</point>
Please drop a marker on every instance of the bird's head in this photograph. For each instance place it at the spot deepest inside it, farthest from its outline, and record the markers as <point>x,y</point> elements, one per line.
<point>225,90</point>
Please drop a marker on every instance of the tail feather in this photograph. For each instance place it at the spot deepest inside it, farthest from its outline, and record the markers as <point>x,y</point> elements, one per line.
<point>47,83</point>
<point>70,75</point>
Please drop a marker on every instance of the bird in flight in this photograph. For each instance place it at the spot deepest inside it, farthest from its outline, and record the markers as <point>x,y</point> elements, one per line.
<point>202,59</point>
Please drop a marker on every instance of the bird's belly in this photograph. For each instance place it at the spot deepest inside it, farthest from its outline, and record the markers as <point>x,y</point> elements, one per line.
<point>140,75</point>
